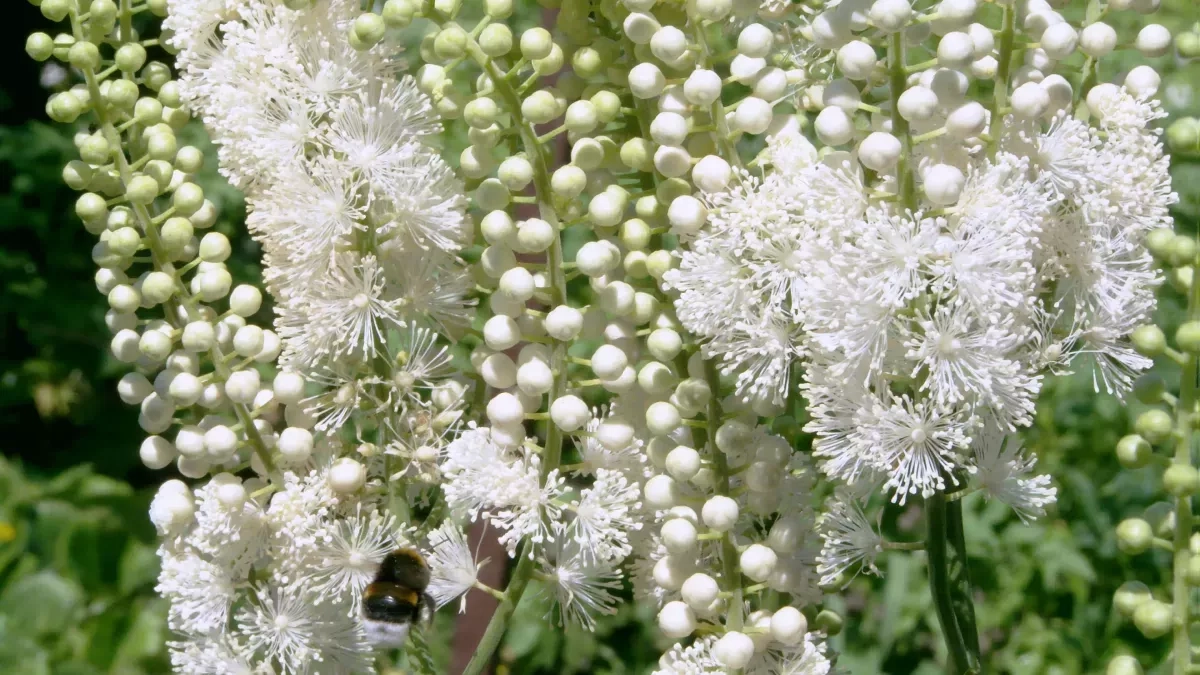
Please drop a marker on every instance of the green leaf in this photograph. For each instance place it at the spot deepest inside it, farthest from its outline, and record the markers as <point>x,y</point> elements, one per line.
<point>42,604</point>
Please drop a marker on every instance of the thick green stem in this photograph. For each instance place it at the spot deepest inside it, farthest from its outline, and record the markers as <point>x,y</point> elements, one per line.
<point>1003,68</point>
<point>897,78</point>
<point>938,552</point>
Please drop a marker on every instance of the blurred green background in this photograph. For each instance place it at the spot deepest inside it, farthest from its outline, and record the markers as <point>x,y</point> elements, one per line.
<point>77,563</point>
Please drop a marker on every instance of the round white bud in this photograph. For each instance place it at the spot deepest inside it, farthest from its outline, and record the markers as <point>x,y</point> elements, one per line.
<point>248,340</point>
<point>1143,81</point>
<point>498,371</point>
<point>295,444</point>
<point>220,441</point>
<point>957,11</point>
<point>1059,40</point>
<point>788,626</point>
<point>133,388</point>
<point>752,115</point>
<point>189,441</point>
<point>535,378</point>
<point>943,184</point>
<point>662,418</point>
<point>955,50</point>
<point>501,332</point>
<point>288,387</point>
<point>505,409</point>
<point>917,104</point>
<point>563,323</point>
<point>757,562</point>
<point>702,87</point>
<point>734,650</point>
<point>982,38</point>
<point>671,162</point>
<point>879,151</point>
<point>640,27</point>
<point>569,413</point>
<point>1153,40</point>
<point>745,69</point>
<point>1030,100</point>
<point>771,84</point>
<point>242,386</point>
<point>1098,40</point>
<point>967,120</point>
<point>679,536</point>
<point>676,620</point>
<point>669,44</point>
<point>856,60</point>
<point>516,284</point>
<point>668,128</point>
<point>347,475</point>
<point>184,389</point>
<point>687,215</point>
<point>712,174</point>
<point>890,16</point>
<point>245,300</point>
<point>834,126</point>
<point>157,452</point>
<point>683,463</point>
<point>646,81</point>
<point>608,361</point>
<point>661,492</point>
<point>720,513</point>
<point>700,591</point>
<point>594,259</point>
<point>755,41</point>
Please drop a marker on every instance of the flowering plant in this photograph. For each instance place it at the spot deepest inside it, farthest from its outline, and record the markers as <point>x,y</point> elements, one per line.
<point>779,226</point>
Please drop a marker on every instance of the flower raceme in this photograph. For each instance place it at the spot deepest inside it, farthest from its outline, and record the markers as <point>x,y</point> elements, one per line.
<point>807,218</point>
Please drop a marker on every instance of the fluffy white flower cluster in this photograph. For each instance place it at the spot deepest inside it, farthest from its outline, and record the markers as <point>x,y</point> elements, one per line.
<point>928,265</point>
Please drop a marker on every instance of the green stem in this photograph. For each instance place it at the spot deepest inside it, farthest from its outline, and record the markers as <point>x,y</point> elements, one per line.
<point>938,553</point>
<point>494,633</point>
<point>1003,68</point>
<point>897,79</point>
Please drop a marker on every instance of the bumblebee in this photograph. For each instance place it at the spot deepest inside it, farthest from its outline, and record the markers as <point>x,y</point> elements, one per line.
<point>396,599</point>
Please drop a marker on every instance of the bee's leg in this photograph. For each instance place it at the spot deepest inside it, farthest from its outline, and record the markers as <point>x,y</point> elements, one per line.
<point>425,611</point>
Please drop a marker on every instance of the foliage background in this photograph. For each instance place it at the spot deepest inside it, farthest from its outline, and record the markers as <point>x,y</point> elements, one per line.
<point>77,563</point>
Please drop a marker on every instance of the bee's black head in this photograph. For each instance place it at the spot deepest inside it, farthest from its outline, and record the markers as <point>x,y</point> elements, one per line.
<point>404,567</point>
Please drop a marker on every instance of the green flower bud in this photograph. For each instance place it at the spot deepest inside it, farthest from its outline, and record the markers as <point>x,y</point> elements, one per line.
<point>1181,480</point>
<point>1149,388</point>
<point>540,107</point>
<point>1148,339</point>
<point>39,46</point>
<point>161,147</point>
<point>587,63</point>
<point>148,110</point>
<point>1182,250</point>
<point>659,263</point>
<point>551,64</point>
<point>1180,278</point>
<point>124,299</point>
<point>77,174</point>
<point>62,45</point>
<point>102,10</point>
<point>95,150</point>
<point>131,57</point>
<point>188,199</point>
<point>176,118</point>
<point>122,94</point>
<point>1158,241</point>
<point>1188,337</point>
<point>536,43</point>
<point>206,217</point>
<point>1188,44</point>
<point>168,95</point>
<point>189,159</point>
<point>1155,425</point>
<point>1129,597</point>
<point>568,181</point>
<point>398,13</point>
<point>498,9</point>
<point>496,40</point>
<point>84,55</point>
<point>369,28</point>
<point>157,7</point>
<point>1184,135</point>
<point>155,345</point>
<point>120,217</point>
<point>1134,536</point>
<point>215,284</point>
<point>155,75</point>
<point>638,153</point>
<point>55,10</point>
<point>1133,451</point>
<point>176,234</point>
<point>481,112</point>
<point>125,242</point>
<point>157,288</point>
<point>635,234</point>
<point>828,621</point>
<point>104,256</point>
<point>450,42</point>
<point>214,248</point>
<point>515,173</point>
<point>1153,618</point>
<point>90,208</point>
<point>64,107</point>
<point>142,189</point>
<point>1123,665</point>
<point>1193,571</point>
<point>161,172</point>
<point>492,195</point>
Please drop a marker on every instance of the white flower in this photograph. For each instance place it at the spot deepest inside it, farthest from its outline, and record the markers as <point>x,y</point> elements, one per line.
<point>850,541</point>
<point>1003,470</point>
<point>583,588</point>
<point>286,626</point>
<point>695,659</point>
<point>918,445</point>
<point>605,515</point>
<point>349,552</point>
<point>452,566</point>
<point>210,654</point>
<point>200,592</point>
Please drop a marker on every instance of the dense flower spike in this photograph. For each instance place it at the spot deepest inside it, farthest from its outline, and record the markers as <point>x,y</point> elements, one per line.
<point>812,219</point>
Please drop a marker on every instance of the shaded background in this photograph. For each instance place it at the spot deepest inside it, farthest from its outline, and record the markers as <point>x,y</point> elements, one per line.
<point>77,563</point>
